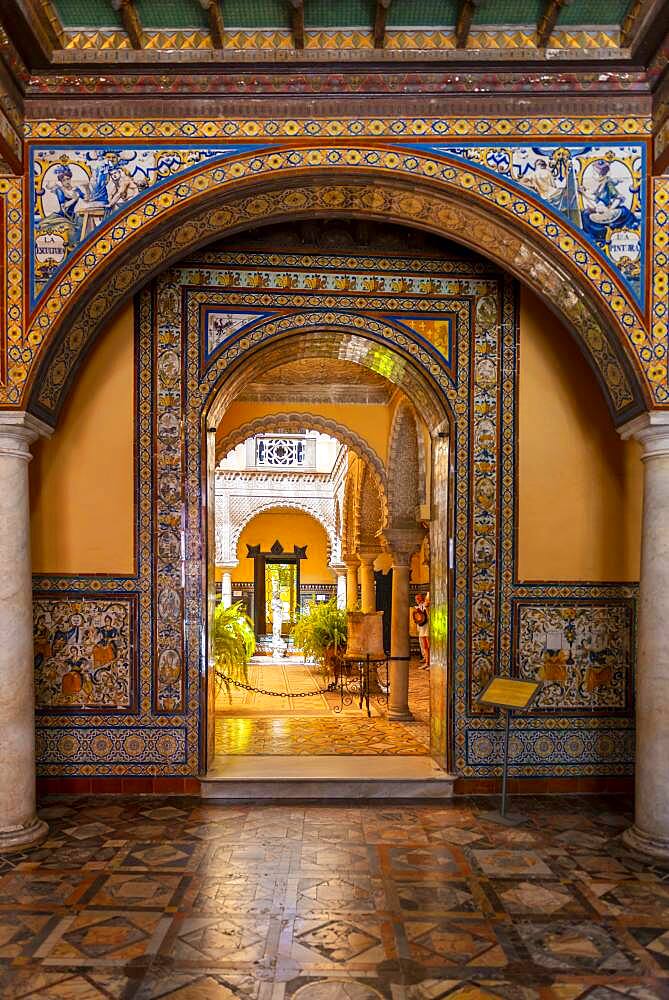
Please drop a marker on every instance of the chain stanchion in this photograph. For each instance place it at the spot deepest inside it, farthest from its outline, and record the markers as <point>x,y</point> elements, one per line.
<point>332,686</point>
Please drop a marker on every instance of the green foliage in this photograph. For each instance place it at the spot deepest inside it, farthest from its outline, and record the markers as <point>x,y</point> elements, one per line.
<point>234,644</point>
<point>321,630</point>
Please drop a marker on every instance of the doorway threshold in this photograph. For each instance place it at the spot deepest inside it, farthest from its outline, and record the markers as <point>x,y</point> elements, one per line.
<point>325,776</point>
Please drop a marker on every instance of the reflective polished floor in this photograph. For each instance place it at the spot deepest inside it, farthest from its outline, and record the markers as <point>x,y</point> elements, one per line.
<point>318,724</point>
<point>144,898</point>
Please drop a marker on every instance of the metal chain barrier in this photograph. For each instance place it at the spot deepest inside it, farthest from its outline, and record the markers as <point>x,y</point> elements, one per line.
<point>332,686</point>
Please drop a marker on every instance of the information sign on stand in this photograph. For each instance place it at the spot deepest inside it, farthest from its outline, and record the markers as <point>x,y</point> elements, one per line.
<point>508,694</point>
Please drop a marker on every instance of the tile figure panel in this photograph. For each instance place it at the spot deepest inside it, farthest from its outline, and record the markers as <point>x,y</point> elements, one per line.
<point>581,653</point>
<point>84,653</point>
<point>598,188</point>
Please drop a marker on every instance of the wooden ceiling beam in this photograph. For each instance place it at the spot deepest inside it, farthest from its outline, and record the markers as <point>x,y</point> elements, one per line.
<point>548,20</point>
<point>380,21</point>
<point>297,22</point>
<point>216,23</point>
<point>131,21</point>
<point>463,25</point>
<point>29,30</point>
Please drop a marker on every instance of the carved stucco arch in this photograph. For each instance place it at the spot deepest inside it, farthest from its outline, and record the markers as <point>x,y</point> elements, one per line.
<point>290,423</point>
<point>406,455</point>
<point>67,325</point>
<point>265,504</point>
<point>370,512</point>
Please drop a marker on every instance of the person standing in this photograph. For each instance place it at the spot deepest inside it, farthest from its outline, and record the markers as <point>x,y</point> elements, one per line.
<point>421,617</point>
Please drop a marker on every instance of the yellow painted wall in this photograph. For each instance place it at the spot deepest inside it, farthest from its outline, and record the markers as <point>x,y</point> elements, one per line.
<point>370,421</point>
<point>81,480</point>
<point>290,528</point>
<point>580,486</point>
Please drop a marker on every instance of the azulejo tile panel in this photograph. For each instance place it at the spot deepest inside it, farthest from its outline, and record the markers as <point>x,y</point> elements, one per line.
<point>598,188</point>
<point>85,653</point>
<point>587,203</point>
<point>581,652</point>
<point>461,221</point>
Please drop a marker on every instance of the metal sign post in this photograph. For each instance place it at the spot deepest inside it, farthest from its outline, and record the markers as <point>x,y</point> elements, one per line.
<point>508,694</point>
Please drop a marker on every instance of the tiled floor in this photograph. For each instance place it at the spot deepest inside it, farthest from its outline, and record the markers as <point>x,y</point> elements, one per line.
<point>260,724</point>
<point>146,898</point>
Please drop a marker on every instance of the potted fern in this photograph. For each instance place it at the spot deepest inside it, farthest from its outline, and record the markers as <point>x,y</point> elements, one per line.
<point>234,644</point>
<point>320,633</point>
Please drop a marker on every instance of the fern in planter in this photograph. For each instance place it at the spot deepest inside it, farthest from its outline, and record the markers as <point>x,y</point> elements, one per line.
<point>234,644</point>
<point>321,632</point>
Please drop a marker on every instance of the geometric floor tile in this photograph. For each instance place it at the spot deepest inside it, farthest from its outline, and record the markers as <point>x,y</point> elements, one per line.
<point>175,897</point>
<point>223,940</point>
<point>446,941</point>
<point>340,939</point>
<point>95,937</point>
<point>578,946</point>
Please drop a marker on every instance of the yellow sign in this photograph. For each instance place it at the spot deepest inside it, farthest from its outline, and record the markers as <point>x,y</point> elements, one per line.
<point>509,693</point>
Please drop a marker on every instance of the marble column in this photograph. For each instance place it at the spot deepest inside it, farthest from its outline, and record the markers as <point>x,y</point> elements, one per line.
<point>650,833</point>
<point>352,585</point>
<point>19,826</point>
<point>226,589</point>
<point>402,543</point>
<point>340,571</point>
<point>367,582</point>
<point>398,708</point>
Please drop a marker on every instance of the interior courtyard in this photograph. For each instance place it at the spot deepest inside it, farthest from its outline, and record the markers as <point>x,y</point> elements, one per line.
<point>334,499</point>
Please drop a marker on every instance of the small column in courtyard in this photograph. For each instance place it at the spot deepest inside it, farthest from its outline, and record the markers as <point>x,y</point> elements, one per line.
<point>367,582</point>
<point>341,571</point>
<point>403,543</point>
<point>650,833</point>
<point>351,584</point>
<point>19,825</point>
<point>226,583</point>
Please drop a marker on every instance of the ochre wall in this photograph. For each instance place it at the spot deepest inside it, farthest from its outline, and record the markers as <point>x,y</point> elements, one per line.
<point>290,528</point>
<point>370,421</point>
<point>81,480</point>
<point>580,486</point>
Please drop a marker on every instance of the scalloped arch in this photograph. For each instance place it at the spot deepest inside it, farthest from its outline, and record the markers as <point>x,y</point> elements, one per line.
<point>268,504</point>
<point>290,422</point>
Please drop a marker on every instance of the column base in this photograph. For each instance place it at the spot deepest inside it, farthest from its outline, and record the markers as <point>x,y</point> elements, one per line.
<point>642,843</point>
<point>21,838</point>
<point>400,716</point>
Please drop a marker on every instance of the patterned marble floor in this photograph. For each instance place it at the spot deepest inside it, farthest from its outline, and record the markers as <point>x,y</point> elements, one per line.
<point>144,898</point>
<point>257,724</point>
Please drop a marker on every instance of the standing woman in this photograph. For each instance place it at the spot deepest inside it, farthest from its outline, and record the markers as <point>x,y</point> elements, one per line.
<point>421,617</point>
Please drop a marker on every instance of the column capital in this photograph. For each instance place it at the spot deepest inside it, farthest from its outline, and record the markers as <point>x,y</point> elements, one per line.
<point>339,569</point>
<point>402,543</point>
<point>227,567</point>
<point>18,430</point>
<point>651,429</point>
<point>368,554</point>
